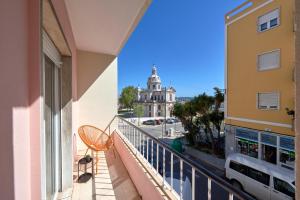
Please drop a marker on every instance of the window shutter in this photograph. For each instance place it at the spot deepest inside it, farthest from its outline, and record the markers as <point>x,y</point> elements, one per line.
<point>268,101</point>
<point>50,50</point>
<point>269,60</point>
<point>268,17</point>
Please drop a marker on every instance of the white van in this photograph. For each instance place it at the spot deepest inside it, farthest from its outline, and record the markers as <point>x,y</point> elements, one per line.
<point>259,178</point>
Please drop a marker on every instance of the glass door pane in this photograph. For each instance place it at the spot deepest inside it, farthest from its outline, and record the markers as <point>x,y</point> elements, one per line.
<point>49,128</point>
<point>52,113</point>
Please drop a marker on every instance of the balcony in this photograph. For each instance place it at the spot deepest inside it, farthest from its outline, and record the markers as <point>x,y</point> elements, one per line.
<point>146,168</point>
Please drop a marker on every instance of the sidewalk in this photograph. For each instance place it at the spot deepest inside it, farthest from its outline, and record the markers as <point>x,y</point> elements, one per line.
<point>204,157</point>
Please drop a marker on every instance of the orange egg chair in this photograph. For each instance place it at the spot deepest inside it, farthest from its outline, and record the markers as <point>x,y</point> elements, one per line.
<point>95,139</point>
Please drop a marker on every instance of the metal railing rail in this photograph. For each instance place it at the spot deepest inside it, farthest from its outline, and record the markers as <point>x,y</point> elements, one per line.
<point>137,137</point>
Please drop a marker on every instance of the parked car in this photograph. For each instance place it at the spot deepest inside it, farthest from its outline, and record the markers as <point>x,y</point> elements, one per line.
<point>162,121</point>
<point>157,122</point>
<point>176,120</point>
<point>149,122</point>
<point>170,121</point>
<point>259,178</point>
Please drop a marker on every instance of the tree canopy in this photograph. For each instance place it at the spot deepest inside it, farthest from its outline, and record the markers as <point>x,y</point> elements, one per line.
<point>202,113</point>
<point>128,97</point>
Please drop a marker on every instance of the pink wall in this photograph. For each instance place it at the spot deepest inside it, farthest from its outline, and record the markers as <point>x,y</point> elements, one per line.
<point>142,183</point>
<point>20,86</point>
<point>15,141</point>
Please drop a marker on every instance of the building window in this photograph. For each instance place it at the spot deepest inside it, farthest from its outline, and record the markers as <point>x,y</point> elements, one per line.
<point>155,98</point>
<point>274,22</point>
<point>153,86</point>
<point>149,107</point>
<point>268,147</point>
<point>159,107</point>
<point>247,142</point>
<point>268,101</point>
<point>268,21</point>
<point>267,61</point>
<point>171,97</point>
<point>145,97</point>
<point>287,152</point>
<point>158,98</point>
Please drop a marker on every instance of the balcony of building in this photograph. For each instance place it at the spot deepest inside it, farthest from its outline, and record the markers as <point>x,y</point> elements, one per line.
<point>146,168</point>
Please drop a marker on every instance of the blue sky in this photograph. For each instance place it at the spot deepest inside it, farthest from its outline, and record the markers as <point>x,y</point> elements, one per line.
<point>184,39</point>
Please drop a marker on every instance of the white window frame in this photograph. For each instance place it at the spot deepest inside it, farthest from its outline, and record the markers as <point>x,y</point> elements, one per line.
<point>268,52</point>
<point>257,101</point>
<point>268,23</point>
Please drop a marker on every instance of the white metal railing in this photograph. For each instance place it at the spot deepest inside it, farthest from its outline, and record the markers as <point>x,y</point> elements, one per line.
<point>185,178</point>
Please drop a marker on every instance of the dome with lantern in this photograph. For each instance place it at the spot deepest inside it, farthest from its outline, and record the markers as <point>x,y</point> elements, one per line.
<point>154,82</point>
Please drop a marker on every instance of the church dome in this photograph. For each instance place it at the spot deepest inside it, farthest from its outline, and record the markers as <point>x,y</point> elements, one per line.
<point>154,78</point>
<point>154,82</point>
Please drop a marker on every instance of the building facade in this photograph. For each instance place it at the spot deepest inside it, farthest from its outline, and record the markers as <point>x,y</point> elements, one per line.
<point>259,81</point>
<point>156,100</point>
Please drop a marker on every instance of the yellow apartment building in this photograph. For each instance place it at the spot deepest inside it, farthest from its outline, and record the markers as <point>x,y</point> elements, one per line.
<point>259,81</point>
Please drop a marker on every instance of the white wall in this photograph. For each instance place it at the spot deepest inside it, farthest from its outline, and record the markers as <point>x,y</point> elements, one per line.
<point>97,89</point>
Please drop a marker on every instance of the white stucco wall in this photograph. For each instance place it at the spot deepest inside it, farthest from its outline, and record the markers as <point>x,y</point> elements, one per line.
<point>97,89</point>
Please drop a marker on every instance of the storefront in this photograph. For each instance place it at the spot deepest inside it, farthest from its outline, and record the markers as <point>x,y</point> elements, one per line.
<point>271,147</point>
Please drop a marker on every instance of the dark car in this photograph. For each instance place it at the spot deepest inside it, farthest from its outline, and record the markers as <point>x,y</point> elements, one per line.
<point>149,122</point>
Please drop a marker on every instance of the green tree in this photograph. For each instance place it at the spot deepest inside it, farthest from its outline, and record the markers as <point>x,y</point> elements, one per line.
<point>217,116</point>
<point>128,97</point>
<point>186,113</point>
<point>138,110</point>
<point>202,113</point>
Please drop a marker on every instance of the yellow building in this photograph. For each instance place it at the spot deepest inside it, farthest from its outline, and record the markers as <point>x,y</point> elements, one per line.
<point>259,80</point>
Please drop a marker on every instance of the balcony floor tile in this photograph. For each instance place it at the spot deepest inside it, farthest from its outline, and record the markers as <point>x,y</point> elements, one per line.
<point>111,183</point>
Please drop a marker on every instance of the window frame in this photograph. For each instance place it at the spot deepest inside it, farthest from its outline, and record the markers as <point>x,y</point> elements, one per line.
<point>266,109</point>
<point>264,53</point>
<point>269,22</point>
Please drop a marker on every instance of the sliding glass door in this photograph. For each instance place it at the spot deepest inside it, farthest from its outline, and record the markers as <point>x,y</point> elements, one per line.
<point>52,115</point>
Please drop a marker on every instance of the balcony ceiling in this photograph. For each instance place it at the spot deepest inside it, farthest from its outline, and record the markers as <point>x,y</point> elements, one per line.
<point>104,26</point>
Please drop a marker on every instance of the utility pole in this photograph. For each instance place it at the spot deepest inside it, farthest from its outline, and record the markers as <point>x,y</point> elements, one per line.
<point>165,110</point>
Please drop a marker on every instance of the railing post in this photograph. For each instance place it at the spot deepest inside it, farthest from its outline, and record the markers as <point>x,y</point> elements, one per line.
<point>152,152</point>
<point>143,153</point>
<point>164,166</point>
<point>230,196</point>
<point>193,183</point>
<point>134,138</point>
<point>172,170</point>
<point>147,149</point>
<point>157,157</point>
<point>181,179</point>
<point>140,142</point>
<point>208,188</point>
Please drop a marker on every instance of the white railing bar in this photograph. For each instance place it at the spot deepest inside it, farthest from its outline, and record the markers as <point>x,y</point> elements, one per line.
<point>147,149</point>
<point>164,166</point>
<point>152,153</point>
<point>181,179</point>
<point>230,196</point>
<point>157,157</point>
<point>171,171</point>
<point>193,183</point>
<point>209,188</point>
